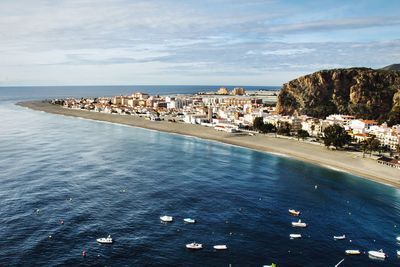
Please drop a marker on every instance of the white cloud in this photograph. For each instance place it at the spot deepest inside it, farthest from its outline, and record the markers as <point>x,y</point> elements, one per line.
<point>122,41</point>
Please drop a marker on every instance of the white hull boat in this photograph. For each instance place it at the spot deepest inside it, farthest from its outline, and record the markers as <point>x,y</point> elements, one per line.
<point>299,223</point>
<point>353,252</point>
<point>339,237</point>
<point>294,212</point>
<point>377,254</point>
<point>105,240</point>
<point>295,236</point>
<point>398,253</point>
<point>189,220</point>
<point>220,247</point>
<point>166,218</point>
<point>194,245</point>
<point>398,239</point>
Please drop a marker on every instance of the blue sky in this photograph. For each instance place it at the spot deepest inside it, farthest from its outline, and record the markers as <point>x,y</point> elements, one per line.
<point>220,42</point>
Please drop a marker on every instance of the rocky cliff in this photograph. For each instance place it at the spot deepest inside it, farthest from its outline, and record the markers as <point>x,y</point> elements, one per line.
<point>367,93</point>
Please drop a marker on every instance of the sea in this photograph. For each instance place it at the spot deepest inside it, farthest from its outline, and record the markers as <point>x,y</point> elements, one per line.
<point>67,181</point>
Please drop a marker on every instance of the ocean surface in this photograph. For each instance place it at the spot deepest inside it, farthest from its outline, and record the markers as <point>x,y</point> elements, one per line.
<point>102,179</point>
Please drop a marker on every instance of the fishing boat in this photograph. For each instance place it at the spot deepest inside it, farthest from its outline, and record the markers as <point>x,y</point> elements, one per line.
<point>353,252</point>
<point>194,245</point>
<point>294,236</point>
<point>105,240</point>
<point>166,218</point>
<point>189,220</point>
<point>299,223</point>
<point>377,254</point>
<point>339,237</point>
<point>220,247</point>
<point>294,212</point>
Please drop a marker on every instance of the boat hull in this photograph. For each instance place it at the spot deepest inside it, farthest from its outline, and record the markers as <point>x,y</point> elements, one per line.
<point>220,247</point>
<point>377,254</point>
<point>352,252</point>
<point>194,246</point>
<point>166,218</point>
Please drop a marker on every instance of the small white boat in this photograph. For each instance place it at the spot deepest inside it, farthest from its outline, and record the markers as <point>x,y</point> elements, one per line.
<point>105,240</point>
<point>189,220</point>
<point>299,223</point>
<point>353,252</point>
<point>272,265</point>
<point>398,253</point>
<point>166,218</point>
<point>398,239</point>
<point>194,245</point>
<point>339,237</point>
<point>377,254</point>
<point>220,247</point>
<point>294,212</point>
<point>294,236</point>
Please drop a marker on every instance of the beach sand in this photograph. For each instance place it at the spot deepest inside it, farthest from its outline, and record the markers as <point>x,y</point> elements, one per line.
<point>313,153</point>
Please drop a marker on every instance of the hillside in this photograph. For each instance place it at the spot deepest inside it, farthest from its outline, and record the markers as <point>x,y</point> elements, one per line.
<point>395,67</point>
<point>367,93</point>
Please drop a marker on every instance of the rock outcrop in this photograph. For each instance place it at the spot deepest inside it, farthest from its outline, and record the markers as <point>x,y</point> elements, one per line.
<point>367,93</point>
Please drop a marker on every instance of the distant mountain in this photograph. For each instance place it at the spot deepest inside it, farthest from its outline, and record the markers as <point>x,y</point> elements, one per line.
<point>367,93</point>
<point>392,67</point>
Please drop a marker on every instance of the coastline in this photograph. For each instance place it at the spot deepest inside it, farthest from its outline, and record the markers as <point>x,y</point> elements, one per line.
<point>315,154</point>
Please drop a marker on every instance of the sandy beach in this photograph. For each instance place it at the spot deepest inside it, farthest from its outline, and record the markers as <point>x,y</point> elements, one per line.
<point>316,154</point>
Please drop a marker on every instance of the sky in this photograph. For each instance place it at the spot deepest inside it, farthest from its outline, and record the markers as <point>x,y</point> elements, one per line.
<point>219,42</point>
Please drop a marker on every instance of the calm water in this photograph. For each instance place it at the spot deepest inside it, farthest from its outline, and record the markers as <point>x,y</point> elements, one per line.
<point>109,179</point>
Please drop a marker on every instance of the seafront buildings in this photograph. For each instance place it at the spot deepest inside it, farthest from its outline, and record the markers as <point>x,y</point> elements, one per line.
<point>233,111</point>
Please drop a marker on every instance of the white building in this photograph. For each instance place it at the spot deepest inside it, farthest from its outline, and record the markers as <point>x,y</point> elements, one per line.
<point>362,126</point>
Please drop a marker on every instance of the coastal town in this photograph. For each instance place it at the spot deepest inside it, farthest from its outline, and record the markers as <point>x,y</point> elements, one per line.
<point>238,111</point>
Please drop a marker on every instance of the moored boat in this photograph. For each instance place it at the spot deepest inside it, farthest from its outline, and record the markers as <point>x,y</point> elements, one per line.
<point>294,236</point>
<point>398,253</point>
<point>352,252</point>
<point>105,240</point>
<point>220,247</point>
<point>194,245</point>
<point>166,218</point>
<point>398,239</point>
<point>299,223</point>
<point>339,237</point>
<point>294,212</point>
<point>189,220</point>
<point>377,254</point>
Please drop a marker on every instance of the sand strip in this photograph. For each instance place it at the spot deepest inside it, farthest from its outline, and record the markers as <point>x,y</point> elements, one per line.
<point>316,154</point>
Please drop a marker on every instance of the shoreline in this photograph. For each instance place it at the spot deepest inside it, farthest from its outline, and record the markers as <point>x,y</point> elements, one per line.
<point>315,154</point>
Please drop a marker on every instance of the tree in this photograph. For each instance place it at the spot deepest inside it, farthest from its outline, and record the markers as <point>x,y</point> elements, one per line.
<point>268,128</point>
<point>336,136</point>
<point>302,134</point>
<point>364,147</point>
<point>373,144</point>
<point>283,128</point>
<point>312,129</point>
<point>258,123</point>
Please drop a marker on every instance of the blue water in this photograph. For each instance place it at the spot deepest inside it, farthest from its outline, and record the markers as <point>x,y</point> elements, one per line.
<point>105,179</point>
